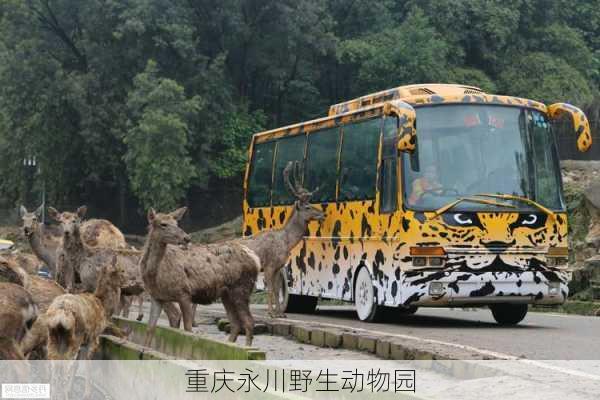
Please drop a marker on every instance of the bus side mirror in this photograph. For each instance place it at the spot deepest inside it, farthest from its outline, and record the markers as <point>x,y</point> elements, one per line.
<point>407,122</point>
<point>581,126</point>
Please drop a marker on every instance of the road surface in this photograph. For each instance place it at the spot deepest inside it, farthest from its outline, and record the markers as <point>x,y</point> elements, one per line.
<point>540,336</point>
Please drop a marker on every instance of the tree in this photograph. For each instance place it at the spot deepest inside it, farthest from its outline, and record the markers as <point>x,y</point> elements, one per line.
<point>159,165</point>
<point>543,77</point>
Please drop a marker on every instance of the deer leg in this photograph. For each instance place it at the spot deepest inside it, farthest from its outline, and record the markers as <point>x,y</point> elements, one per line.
<point>243,306</point>
<point>140,300</point>
<point>124,305</point>
<point>269,287</point>
<point>186,309</point>
<point>173,314</point>
<point>194,308</point>
<point>155,310</point>
<point>232,315</point>
<point>275,289</point>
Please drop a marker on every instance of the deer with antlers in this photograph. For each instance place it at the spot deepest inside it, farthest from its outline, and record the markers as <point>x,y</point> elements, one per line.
<point>274,247</point>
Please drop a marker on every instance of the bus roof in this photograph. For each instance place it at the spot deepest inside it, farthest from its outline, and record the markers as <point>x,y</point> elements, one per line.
<point>403,93</point>
<point>415,95</point>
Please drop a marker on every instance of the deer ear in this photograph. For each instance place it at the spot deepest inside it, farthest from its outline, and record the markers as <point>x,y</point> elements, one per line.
<point>81,211</point>
<point>39,211</point>
<point>54,214</point>
<point>151,215</point>
<point>297,205</point>
<point>22,211</point>
<point>178,214</point>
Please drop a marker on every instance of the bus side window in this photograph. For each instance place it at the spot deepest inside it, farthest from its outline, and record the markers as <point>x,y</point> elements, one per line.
<point>358,166</point>
<point>288,149</point>
<point>389,165</point>
<point>321,164</point>
<point>259,185</point>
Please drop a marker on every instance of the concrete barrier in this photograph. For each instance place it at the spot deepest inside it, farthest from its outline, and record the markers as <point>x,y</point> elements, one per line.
<point>185,345</point>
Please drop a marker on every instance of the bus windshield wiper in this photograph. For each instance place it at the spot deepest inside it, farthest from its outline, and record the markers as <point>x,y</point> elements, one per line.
<point>521,199</point>
<point>448,206</point>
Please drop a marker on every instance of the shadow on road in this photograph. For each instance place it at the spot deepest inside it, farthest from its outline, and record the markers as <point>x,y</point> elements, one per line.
<point>423,321</point>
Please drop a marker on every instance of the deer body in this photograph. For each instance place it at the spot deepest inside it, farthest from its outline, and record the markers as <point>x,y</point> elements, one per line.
<point>199,274</point>
<point>75,321</point>
<point>45,240</point>
<point>275,246</point>
<point>17,312</point>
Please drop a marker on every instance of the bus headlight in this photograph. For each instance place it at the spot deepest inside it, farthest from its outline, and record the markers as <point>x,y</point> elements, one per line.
<point>553,288</point>
<point>557,261</point>
<point>436,261</point>
<point>436,289</point>
<point>419,261</point>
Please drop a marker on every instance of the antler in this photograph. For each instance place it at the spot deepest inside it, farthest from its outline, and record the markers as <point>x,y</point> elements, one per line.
<point>300,193</point>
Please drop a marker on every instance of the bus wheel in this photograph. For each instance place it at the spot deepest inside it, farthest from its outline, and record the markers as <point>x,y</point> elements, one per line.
<point>509,314</point>
<point>364,298</point>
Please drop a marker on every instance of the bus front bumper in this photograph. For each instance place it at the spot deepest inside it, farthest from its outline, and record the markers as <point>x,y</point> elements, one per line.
<point>487,289</point>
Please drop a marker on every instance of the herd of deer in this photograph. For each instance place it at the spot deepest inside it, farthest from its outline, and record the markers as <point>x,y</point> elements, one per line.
<point>96,275</point>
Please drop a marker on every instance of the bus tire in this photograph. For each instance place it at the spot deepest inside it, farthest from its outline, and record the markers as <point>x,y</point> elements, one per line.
<point>301,304</point>
<point>509,314</point>
<point>365,302</point>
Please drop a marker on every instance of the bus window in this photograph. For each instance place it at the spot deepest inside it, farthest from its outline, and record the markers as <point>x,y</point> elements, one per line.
<point>288,149</point>
<point>259,186</point>
<point>389,181</point>
<point>321,168</point>
<point>358,176</point>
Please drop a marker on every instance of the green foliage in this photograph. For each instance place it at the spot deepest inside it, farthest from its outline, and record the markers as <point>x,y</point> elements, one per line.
<point>157,158</point>
<point>545,78</point>
<point>159,96</point>
<point>233,143</point>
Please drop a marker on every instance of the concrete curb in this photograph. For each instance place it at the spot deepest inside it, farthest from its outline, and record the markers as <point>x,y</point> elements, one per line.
<point>385,347</point>
<point>186,345</point>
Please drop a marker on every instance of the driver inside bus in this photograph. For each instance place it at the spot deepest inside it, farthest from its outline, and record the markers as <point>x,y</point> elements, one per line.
<point>426,183</point>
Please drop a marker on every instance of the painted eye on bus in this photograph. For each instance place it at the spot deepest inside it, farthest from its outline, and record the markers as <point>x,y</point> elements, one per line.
<point>461,219</point>
<point>532,221</point>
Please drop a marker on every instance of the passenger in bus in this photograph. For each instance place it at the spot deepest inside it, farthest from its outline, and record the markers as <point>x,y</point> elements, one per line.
<point>427,183</point>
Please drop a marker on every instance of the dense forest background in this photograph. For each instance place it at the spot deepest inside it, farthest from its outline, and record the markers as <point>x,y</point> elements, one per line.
<point>127,104</point>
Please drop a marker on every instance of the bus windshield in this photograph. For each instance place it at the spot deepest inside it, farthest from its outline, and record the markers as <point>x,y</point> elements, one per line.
<point>465,150</point>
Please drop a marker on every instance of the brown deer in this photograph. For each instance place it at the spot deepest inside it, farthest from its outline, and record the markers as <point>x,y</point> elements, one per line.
<point>46,239</point>
<point>275,246</point>
<point>17,314</point>
<point>75,321</point>
<point>43,292</point>
<point>199,274</point>
<point>80,263</point>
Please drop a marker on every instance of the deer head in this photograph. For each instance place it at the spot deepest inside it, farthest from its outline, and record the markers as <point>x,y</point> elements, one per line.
<point>69,221</point>
<point>165,229</point>
<point>30,220</point>
<point>305,212</point>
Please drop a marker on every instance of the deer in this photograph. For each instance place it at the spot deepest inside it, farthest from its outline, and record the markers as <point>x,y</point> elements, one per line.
<point>196,274</point>
<point>75,321</point>
<point>274,247</point>
<point>43,292</point>
<point>45,240</point>
<point>80,263</point>
<point>18,312</point>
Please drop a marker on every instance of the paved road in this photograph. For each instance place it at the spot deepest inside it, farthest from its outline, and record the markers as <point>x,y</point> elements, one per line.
<point>541,336</point>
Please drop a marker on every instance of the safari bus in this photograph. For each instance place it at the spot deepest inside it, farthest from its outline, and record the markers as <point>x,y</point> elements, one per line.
<point>434,195</point>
